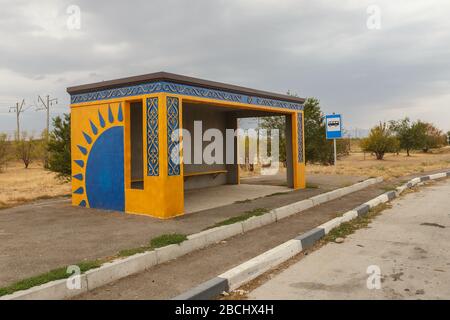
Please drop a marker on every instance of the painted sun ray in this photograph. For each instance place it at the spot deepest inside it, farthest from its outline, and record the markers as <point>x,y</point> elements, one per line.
<point>120,113</point>
<point>110,115</point>
<point>78,176</point>
<point>101,120</point>
<point>87,137</point>
<point>82,149</point>
<point>80,190</point>
<point>79,162</point>
<point>93,128</point>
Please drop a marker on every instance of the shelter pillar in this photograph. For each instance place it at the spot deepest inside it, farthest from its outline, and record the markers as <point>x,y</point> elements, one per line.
<point>231,156</point>
<point>162,195</point>
<point>297,150</point>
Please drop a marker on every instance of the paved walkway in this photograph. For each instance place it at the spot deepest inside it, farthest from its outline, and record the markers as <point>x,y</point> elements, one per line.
<point>39,237</point>
<point>410,243</point>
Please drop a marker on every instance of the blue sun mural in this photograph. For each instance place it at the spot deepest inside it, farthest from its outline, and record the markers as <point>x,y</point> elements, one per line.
<point>98,174</point>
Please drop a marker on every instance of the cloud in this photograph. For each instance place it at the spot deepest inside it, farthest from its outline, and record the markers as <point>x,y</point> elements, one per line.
<point>315,48</point>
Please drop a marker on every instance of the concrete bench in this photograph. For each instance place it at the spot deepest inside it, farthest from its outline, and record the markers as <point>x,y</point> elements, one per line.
<point>214,173</point>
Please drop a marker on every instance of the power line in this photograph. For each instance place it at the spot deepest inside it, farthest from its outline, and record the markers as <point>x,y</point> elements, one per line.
<point>18,109</point>
<point>46,106</point>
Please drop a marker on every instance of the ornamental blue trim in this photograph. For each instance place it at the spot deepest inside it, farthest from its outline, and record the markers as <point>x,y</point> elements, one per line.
<point>300,137</point>
<point>152,137</point>
<point>189,90</point>
<point>173,147</point>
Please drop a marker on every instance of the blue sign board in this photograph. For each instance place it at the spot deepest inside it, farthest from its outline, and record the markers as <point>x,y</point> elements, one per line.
<point>333,124</point>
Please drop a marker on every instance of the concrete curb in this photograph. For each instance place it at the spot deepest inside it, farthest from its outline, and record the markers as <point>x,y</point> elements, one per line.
<point>253,268</point>
<point>120,268</point>
<point>211,288</point>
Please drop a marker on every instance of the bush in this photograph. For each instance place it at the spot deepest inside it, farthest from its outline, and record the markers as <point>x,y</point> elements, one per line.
<point>59,147</point>
<point>433,137</point>
<point>26,149</point>
<point>4,150</point>
<point>380,141</point>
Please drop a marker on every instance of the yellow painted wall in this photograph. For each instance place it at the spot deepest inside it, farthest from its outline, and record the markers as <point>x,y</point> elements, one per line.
<point>80,122</point>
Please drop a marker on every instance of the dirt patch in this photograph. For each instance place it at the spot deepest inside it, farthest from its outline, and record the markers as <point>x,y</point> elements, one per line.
<point>393,166</point>
<point>19,185</point>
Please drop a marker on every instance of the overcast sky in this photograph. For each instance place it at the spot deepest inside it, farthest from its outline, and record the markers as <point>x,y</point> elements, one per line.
<point>314,48</point>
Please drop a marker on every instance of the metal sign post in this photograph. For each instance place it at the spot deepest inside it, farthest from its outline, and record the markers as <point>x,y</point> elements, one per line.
<point>335,152</point>
<point>334,130</point>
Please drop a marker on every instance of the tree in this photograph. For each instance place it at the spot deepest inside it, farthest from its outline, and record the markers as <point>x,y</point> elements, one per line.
<point>433,137</point>
<point>26,148</point>
<point>4,150</point>
<point>380,141</point>
<point>59,147</point>
<point>317,147</point>
<point>277,122</point>
<point>411,136</point>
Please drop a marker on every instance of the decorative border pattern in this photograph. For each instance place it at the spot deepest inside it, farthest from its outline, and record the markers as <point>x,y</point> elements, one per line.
<point>152,137</point>
<point>300,157</point>
<point>173,146</point>
<point>175,88</point>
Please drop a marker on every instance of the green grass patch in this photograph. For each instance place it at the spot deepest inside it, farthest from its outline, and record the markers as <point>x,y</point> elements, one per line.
<point>275,194</point>
<point>388,188</point>
<point>246,215</point>
<point>347,228</point>
<point>243,201</point>
<point>56,274</point>
<point>167,239</point>
<point>130,252</point>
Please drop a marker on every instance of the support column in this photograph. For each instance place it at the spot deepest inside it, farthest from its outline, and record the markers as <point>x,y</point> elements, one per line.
<point>232,168</point>
<point>289,152</point>
<point>298,148</point>
<point>163,195</point>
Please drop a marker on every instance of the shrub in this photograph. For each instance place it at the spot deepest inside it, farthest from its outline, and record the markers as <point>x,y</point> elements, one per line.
<point>380,141</point>
<point>59,147</point>
<point>26,149</point>
<point>4,150</point>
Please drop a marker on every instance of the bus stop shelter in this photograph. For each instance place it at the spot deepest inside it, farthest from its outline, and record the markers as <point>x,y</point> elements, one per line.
<point>127,140</point>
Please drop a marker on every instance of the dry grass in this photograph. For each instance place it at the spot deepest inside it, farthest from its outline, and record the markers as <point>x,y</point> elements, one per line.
<point>19,185</point>
<point>393,166</point>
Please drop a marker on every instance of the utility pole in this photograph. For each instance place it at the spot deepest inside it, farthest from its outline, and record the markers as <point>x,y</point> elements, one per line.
<point>46,106</point>
<point>18,109</point>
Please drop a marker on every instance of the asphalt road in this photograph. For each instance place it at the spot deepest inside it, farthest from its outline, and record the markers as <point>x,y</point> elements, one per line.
<point>404,254</point>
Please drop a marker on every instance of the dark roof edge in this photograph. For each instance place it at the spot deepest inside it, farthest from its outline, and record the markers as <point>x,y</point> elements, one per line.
<point>176,78</point>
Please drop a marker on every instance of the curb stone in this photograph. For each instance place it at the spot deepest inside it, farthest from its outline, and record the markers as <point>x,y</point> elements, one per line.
<point>213,287</point>
<point>307,239</point>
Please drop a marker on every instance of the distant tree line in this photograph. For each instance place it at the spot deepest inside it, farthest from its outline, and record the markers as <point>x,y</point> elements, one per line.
<point>397,135</point>
<point>27,148</point>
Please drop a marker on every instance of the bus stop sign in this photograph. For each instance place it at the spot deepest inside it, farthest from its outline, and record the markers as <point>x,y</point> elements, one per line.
<point>334,126</point>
